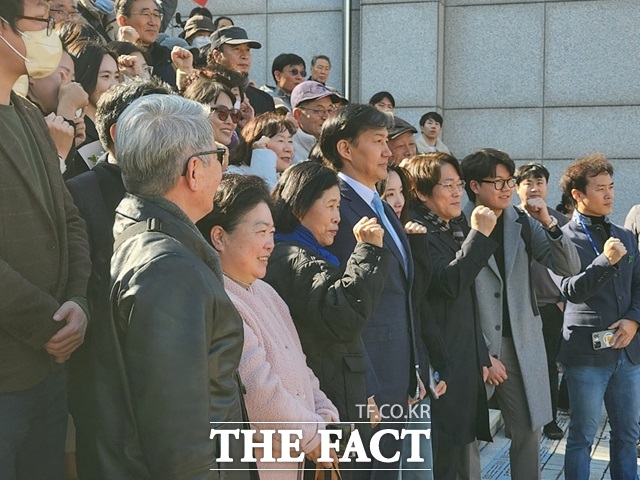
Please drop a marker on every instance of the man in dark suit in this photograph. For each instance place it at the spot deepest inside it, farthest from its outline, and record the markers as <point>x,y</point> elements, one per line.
<point>354,140</point>
<point>44,258</point>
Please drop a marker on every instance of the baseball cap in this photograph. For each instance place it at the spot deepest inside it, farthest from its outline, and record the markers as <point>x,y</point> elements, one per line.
<point>310,90</point>
<point>399,127</point>
<point>198,23</point>
<point>233,36</point>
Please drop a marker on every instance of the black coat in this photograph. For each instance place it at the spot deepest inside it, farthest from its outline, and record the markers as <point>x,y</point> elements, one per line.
<point>330,308</point>
<point>461,415</point>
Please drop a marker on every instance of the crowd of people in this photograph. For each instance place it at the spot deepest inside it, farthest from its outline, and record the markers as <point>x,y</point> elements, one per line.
<point>183,252</point>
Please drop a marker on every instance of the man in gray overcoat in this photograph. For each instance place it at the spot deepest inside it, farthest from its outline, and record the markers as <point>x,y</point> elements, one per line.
<point>509,316</point>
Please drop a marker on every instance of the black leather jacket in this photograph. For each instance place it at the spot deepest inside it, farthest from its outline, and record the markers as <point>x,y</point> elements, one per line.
<point>167,359</point>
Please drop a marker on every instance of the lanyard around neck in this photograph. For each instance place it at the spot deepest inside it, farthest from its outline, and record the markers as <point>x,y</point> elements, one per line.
<point>586,232</point>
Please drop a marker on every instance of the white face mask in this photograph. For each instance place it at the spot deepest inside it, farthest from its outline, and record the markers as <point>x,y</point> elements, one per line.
<point>200,42</point>
<point>43,52</point>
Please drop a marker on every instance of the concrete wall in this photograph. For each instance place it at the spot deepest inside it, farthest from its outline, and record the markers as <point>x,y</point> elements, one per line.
<point>543,80</point>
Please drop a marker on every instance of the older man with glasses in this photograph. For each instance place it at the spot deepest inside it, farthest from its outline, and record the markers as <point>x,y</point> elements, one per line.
<point>169,352</point>
<point>312,104</point>
<point>140,22</point>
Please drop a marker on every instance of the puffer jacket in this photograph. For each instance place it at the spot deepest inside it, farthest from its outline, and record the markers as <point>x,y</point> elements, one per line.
<point>168,357</point>
<point>330,308</point>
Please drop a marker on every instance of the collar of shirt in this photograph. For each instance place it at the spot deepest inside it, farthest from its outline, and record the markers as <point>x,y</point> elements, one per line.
<point>363,191</point>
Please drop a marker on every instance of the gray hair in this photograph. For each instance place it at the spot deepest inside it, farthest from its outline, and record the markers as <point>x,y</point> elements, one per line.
<point>155,136</point>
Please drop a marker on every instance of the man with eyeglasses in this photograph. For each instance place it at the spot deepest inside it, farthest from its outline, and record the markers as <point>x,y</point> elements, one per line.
<point>312,104</point>
<point>145,17</point>
<point>44,257</point>
<point>509,314</point>
<point>169,351</point>
<point>63,10</point>
<point>288,70</point>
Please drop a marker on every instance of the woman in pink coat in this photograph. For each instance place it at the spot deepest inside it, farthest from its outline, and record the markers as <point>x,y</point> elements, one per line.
<point>281,391</point>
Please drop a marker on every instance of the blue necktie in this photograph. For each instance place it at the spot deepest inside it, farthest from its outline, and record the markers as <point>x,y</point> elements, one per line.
<point>379,209</point>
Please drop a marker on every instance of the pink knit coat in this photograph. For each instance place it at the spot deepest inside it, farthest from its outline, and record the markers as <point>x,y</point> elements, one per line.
<point>280,387</point>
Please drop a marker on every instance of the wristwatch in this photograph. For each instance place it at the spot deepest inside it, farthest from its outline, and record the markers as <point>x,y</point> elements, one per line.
<point>552,224</point>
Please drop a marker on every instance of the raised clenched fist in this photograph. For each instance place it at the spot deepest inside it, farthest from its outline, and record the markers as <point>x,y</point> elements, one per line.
<point>367,230</point>
<point>614,250</point>
<point>483,219</point>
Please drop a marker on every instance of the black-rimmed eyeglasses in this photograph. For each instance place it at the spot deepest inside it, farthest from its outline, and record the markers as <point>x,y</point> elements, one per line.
<point>218,151</point>
<point>500,183</point>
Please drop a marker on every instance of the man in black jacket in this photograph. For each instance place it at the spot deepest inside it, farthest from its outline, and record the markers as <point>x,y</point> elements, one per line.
<point>231,48</point>
<point>168,356</point>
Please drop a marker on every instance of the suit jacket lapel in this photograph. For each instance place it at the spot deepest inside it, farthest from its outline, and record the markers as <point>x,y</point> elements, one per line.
<point>511,240</point>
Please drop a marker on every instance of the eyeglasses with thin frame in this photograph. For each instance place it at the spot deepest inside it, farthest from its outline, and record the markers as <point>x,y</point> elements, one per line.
<point>65,14</point>
<point>321,112</point>
<point>149,14</point>
<point>218,151</point>
<point>500,183</point>
<point>49,21</point>
<point>453,186</point>
<point>295,72</point>
<point>223,113</point>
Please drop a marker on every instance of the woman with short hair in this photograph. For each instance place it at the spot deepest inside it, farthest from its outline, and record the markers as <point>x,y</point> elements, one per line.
<point>281,389</point>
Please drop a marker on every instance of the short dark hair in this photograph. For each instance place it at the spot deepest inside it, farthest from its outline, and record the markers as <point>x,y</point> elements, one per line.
<point>205,12</point>
<point>10,10</point>
<point>297,190</point>
<point>127,48</point>
<point>268,125</point>
<point>115,100</point>
<point>348,123</point>
<point>531,170</point>
<point>430,115</point>
<point>236,196</point>
<point>577,174</point>
<point>425,171</point>
<point>71,32</point>
<point>315,58</point>
<point>205,91</point>
<point>123,7</point>
<point>217,21</point>
<point>377,97</point>
<point>87,58</point>
<point>482,164</point>
<point>284,59</point>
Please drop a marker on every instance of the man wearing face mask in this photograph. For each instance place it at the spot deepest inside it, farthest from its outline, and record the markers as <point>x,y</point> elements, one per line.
<point>44,258</point>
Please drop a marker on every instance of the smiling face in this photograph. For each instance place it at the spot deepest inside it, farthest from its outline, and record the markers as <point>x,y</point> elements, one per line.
<point>598,197</point>
<point>323,217</point>
<point>445,202</point>
<point>393,194</point>
<point>145,19</point>
<point>222,129</point>
<point>244,253</point>
<point>489,196</point>
<point>311,115</point>
<point>366,157</point>
<point>282,145</point>
<point>108,76</point>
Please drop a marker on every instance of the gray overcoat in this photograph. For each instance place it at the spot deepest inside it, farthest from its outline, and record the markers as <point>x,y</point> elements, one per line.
<point>562,258</point>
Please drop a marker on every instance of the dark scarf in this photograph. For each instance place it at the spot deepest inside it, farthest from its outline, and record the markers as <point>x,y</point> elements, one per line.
<point>449,227</point>
<point>304,236</point>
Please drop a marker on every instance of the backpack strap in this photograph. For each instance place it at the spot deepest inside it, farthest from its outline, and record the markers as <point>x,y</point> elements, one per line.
<point>151,224</point>
<point>525,233</point>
